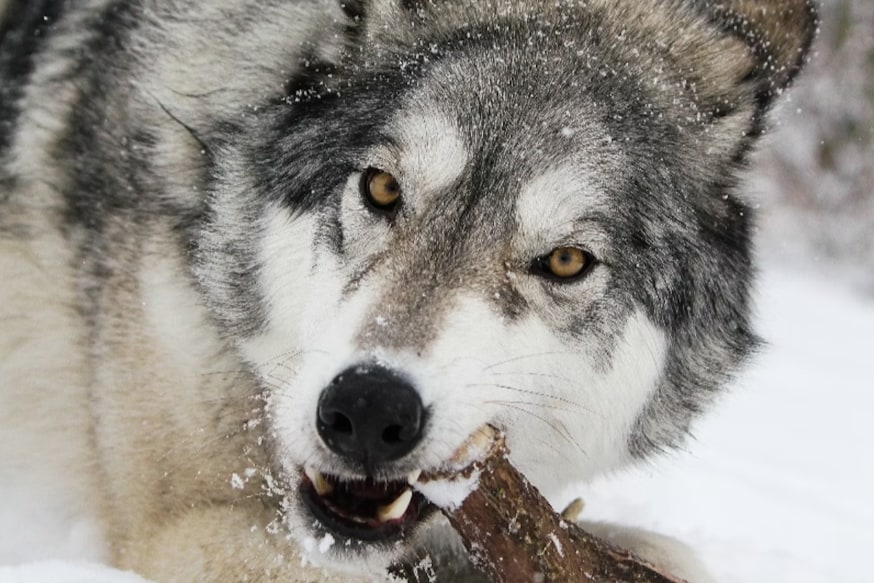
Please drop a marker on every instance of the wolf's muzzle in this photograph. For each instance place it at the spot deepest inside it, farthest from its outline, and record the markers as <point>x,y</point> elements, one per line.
<point>370,415</point>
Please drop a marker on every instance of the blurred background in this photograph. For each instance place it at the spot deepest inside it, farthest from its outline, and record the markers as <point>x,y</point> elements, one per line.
<point>814,179</point>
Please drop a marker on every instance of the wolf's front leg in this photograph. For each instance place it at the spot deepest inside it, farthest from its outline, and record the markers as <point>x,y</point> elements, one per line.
<point>662,551</point>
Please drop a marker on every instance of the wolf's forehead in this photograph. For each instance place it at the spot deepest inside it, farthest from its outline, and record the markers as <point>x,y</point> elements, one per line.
<point>431,150</point>
<point>560,178</point>
<point>551,205</point>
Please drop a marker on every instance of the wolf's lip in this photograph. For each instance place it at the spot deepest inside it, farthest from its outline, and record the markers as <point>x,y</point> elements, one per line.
<point>367,510</point>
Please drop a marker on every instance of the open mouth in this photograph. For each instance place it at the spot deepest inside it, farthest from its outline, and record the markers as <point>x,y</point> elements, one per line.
<point>366,510</point>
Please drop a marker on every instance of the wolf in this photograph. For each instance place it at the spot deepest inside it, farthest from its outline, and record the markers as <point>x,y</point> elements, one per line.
<point>264,262</point>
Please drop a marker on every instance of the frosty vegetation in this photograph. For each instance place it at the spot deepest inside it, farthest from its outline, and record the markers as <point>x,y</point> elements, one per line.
<point>815,175</point>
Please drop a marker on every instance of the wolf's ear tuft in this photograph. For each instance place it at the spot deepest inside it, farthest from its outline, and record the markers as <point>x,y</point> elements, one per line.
<point>779,33</point>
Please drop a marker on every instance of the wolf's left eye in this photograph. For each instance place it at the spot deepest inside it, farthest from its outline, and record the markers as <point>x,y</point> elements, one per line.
<point>564,263</point>
<point>381,189</point>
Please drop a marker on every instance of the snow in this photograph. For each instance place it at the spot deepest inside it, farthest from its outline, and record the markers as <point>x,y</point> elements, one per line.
<point>66,572</point>
<point>557,544</point>
<point>323,545</point>
<point>776,487</point>
<point>449,494</point>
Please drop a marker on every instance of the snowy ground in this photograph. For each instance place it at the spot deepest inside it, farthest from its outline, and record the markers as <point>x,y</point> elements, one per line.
<point>778,486</point>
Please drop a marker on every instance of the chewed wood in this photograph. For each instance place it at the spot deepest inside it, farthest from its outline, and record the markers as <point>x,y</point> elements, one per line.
<point>514,536</point>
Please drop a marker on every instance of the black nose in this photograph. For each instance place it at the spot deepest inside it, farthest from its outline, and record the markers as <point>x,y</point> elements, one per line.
<point>370,415</point>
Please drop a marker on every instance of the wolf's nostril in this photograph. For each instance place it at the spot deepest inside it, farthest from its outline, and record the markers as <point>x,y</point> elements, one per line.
<point>392,434</point>
<point>370,415</point>
<point>337,422</point>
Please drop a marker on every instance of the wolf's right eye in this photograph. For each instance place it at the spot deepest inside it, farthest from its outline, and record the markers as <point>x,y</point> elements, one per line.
<point>564,264</point>
<point>381,189</point>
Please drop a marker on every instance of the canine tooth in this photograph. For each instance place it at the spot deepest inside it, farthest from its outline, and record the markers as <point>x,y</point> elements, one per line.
<point>396,509</point>
<point>477,445</point>
<point>414,476</point>
<point>322,486</point>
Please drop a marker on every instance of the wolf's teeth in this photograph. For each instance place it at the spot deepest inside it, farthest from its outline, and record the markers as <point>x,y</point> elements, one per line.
<point>414,476</point>
<point>396,509</point>
<point>321,485</point>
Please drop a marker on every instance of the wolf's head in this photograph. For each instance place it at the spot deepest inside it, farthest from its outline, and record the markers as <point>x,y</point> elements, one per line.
<point>506,212</point>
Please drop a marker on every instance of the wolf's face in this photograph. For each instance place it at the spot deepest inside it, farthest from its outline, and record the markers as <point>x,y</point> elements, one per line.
<point>458,274</point>
<point>528,225</point>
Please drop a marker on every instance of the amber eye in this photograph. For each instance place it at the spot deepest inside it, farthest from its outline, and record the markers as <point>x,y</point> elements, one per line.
<point>565,263</point>
<point>381,189</point>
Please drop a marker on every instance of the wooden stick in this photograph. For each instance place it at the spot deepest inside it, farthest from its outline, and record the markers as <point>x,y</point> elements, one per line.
<point>512,532</point>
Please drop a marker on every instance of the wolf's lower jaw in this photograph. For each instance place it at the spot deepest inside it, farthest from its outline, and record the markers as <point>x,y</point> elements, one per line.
<point>364,510</point>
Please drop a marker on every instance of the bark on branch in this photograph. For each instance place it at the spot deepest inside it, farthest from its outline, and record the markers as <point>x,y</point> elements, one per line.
<point>512,532</point>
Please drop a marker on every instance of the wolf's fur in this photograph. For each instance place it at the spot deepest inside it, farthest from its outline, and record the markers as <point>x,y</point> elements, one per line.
<point>187,261</point>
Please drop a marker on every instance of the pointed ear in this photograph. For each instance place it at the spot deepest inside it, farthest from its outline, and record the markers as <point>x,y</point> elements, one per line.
<point>779,33</point>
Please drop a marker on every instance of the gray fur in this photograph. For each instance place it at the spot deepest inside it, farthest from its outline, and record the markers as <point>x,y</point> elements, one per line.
<point>148,151</point>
